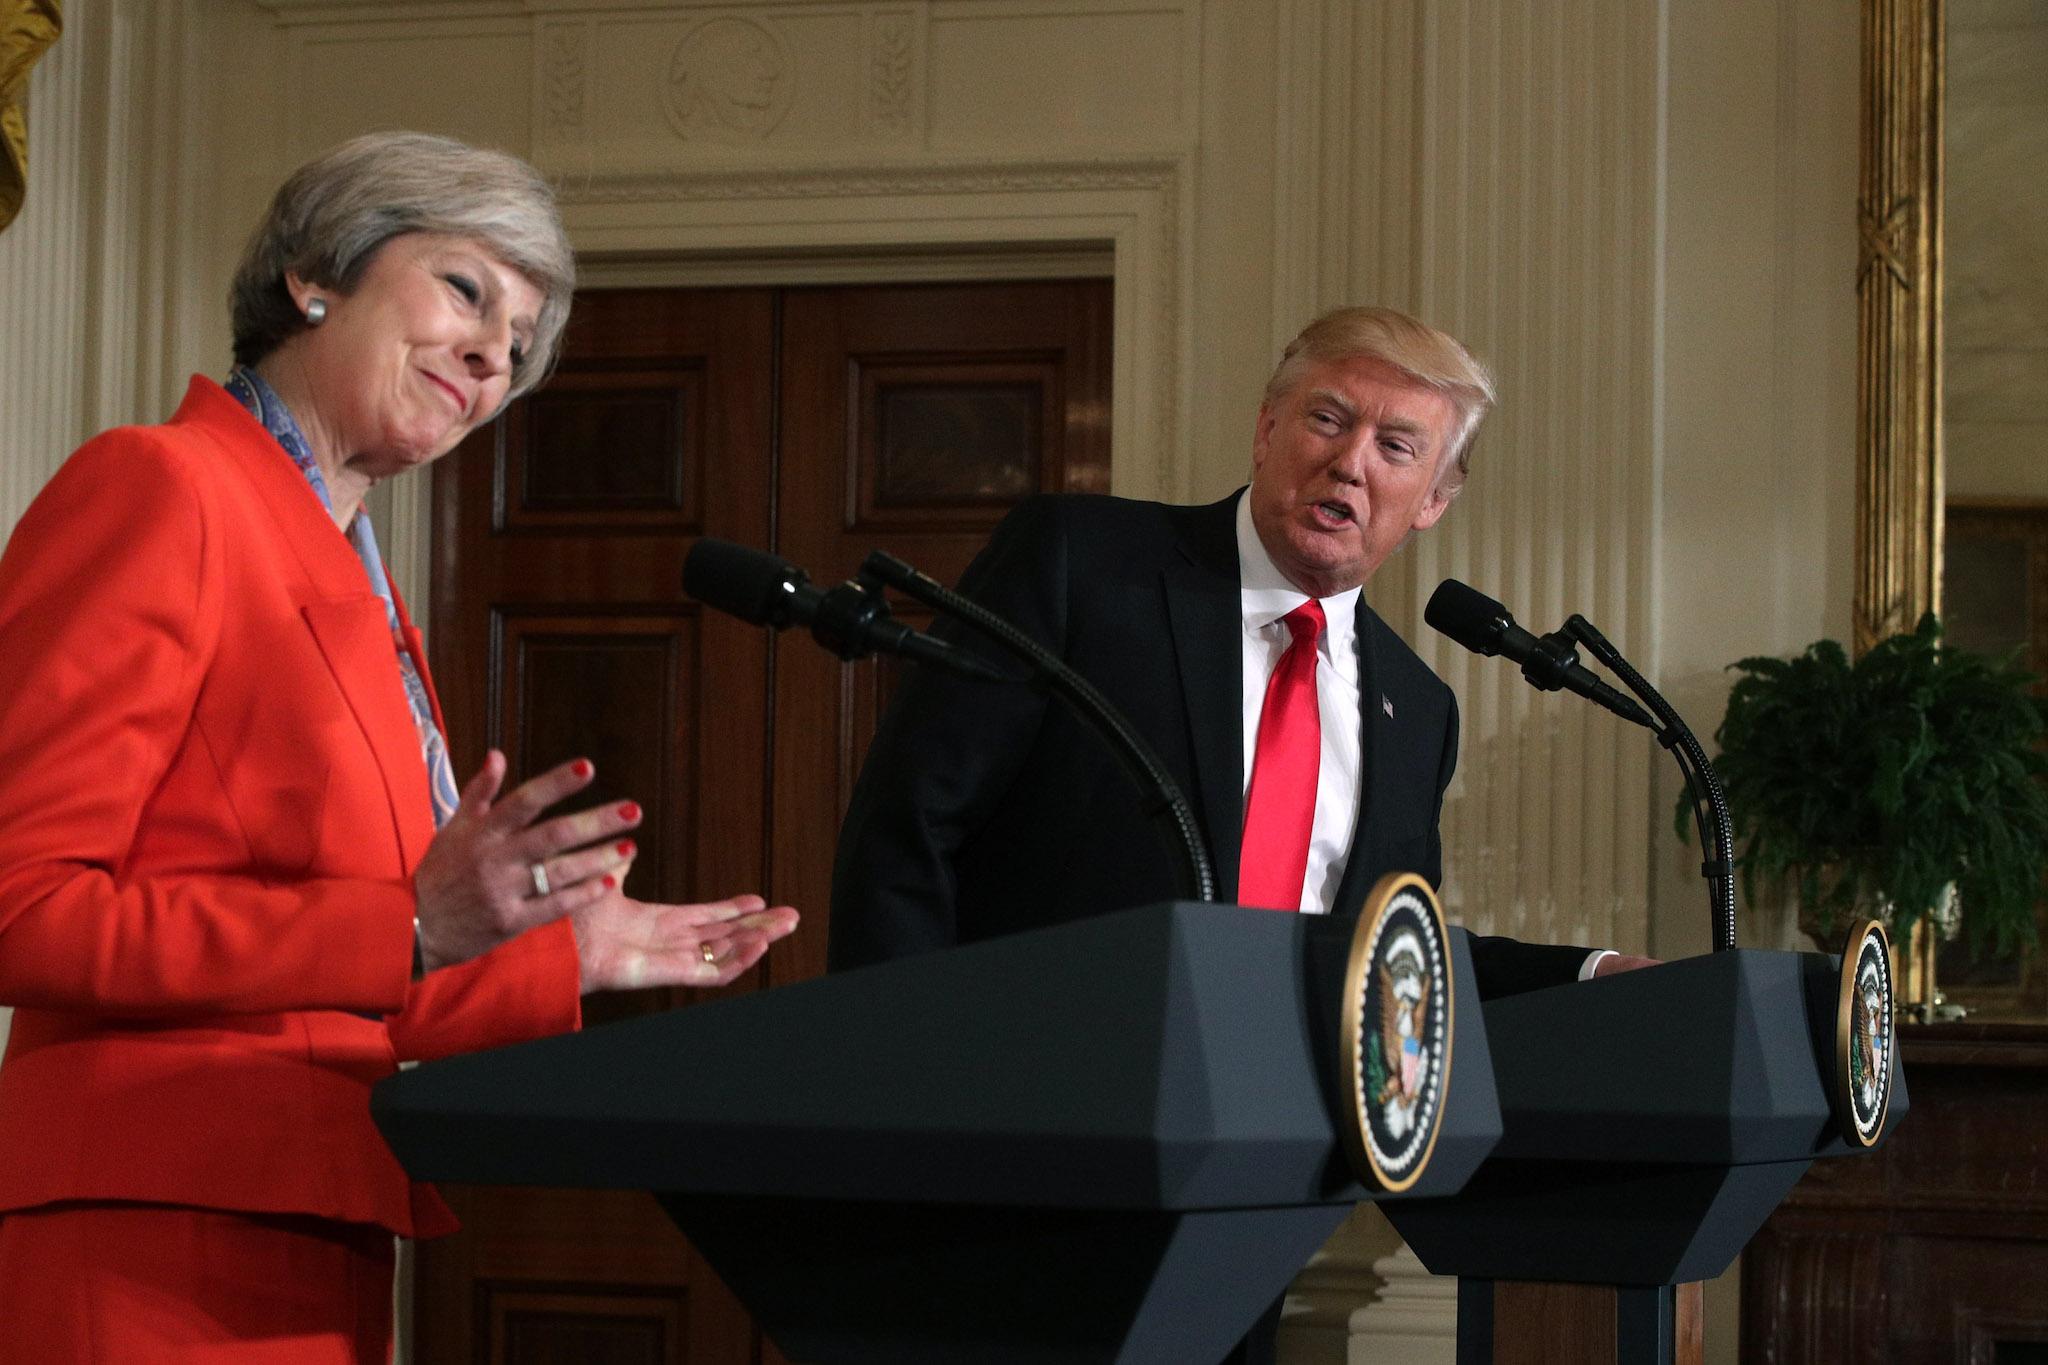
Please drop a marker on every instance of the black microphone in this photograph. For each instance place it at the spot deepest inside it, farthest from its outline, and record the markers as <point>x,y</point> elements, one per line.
<point>852,620</point>
<point>1550,661</point>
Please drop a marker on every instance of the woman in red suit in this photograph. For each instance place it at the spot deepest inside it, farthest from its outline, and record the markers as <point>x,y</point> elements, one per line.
<point>238,885</point>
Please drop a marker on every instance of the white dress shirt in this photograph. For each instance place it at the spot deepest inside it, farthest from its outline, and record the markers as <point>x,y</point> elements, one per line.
<point>1264,596</point>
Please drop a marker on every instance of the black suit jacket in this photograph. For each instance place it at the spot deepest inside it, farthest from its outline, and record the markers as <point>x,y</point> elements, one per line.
<point>985,810</point>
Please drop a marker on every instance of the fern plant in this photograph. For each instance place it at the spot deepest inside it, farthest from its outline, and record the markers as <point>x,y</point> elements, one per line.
<point>1877,783</point>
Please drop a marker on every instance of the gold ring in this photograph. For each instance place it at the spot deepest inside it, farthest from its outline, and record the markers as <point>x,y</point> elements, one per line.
<point>709,954</point>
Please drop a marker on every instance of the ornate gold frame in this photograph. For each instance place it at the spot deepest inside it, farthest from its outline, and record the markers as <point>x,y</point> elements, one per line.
<point>1898,294</point>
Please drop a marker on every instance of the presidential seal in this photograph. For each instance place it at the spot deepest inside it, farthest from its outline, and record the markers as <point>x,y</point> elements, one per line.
<point>1863,1035</point>
<point>1396,1053</point>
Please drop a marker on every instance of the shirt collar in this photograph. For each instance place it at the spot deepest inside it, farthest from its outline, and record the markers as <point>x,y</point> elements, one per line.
<point>1265,595</point>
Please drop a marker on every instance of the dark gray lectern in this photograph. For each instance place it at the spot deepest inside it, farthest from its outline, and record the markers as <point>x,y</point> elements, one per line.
<point>1652,1121</point>
<point>1108,1141</point>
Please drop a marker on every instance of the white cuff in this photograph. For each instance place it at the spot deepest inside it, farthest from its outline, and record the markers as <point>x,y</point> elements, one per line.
<point>1593,961</point>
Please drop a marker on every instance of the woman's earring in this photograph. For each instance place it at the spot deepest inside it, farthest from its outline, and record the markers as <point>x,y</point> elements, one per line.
<point>316,312</point>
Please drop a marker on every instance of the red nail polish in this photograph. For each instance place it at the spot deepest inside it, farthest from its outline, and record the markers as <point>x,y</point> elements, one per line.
<point>629,811</point>
<point>625,848</point>
<point>610,881</point>
<point>581,767</point>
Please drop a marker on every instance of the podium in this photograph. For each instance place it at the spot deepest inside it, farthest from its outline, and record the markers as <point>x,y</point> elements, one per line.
<point>1118,1139</point>
<point>1652,1120</point>
<point>1111,1140</point>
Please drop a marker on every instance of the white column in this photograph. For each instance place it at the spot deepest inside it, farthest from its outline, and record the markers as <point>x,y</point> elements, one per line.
<point>1496,170</point>
<point>1414,1319</point>
<point>1316,1321</point>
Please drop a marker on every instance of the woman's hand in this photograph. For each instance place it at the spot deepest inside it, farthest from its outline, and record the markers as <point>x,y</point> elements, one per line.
<point>623,944</point>
<point>478,886</point>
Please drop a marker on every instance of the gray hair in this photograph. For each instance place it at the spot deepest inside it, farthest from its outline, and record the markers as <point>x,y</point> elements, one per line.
<point>332,216</point>
<point>1434,359</point>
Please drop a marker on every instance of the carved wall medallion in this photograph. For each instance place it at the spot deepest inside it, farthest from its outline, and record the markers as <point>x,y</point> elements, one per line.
<point>727,82</point>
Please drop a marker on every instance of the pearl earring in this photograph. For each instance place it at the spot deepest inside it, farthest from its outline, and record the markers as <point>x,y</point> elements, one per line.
<point>316,312</point>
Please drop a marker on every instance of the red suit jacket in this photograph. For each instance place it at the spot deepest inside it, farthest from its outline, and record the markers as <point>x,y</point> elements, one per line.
<point>212,801</point>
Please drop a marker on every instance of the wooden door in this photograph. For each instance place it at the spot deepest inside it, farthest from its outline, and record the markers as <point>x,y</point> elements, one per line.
<point>912,419</point>
<point>821,423</point>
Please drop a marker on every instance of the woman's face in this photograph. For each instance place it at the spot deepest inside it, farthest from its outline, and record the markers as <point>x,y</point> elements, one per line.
<point>419,355</point>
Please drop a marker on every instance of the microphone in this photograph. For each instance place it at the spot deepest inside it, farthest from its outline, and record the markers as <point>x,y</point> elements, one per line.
<point>852,620</point>
<point>1550,661</point>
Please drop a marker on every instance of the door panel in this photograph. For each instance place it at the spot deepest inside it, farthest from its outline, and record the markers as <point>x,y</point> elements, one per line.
<point>561,630</point>
<point>913,417</point>
<point>822,423</point>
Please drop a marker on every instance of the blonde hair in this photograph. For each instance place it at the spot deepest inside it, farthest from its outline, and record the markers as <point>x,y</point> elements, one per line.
<point>1431,358</point>
<point>332,216</point>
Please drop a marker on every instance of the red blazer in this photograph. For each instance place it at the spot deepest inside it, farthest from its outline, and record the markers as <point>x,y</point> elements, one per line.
<point>211,804</point>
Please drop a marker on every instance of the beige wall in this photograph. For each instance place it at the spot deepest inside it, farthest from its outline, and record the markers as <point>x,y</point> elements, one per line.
<point>1642,214</point>
<point>1995,251</point>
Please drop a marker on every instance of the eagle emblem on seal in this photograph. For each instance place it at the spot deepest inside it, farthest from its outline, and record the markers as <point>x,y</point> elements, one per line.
<point>1402,1044</point>
<point>1866,1044</point>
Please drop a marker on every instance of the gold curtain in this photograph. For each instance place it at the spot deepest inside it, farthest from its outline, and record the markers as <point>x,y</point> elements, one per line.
<point>26,28</point>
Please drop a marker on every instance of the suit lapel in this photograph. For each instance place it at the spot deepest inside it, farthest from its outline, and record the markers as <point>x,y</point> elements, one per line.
<point>1204,615</point>
<point>1351,888</point>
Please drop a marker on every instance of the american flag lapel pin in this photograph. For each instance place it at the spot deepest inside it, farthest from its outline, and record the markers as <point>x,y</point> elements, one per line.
<point>1387,705</point>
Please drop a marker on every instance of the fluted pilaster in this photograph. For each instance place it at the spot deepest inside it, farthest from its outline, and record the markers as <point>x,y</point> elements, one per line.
<point>1493,169</point>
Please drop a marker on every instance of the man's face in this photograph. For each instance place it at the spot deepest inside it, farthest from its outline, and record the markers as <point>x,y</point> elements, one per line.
<point>1343,468</point>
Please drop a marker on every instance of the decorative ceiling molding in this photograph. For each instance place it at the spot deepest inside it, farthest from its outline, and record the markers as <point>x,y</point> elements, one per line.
<point>922,178</point>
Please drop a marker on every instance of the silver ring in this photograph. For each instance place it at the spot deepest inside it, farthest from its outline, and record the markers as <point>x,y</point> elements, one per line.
<point>539,873</point>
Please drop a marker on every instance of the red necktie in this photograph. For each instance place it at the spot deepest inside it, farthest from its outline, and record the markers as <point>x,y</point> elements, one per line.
<point>1280,808</point>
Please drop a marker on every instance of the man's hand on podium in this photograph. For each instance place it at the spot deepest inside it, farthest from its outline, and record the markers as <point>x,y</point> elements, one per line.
<point>1622,962</point>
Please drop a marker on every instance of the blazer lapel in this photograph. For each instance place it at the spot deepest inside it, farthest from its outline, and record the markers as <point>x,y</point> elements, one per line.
<point>1204,615</point>
<point>356,640</point>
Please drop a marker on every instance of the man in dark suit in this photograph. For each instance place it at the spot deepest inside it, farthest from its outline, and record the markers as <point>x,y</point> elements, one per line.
<point>1221,631</point>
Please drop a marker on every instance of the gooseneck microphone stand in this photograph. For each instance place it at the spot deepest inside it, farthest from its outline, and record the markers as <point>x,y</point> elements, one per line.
<point>1551,662</point>
<point>1702,784</point>
<point>1166,804</point>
